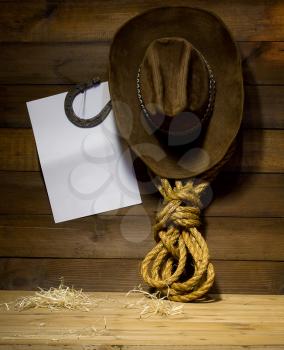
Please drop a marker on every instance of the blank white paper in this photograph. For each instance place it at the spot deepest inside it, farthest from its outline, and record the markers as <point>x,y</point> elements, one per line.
<point>86,171</point>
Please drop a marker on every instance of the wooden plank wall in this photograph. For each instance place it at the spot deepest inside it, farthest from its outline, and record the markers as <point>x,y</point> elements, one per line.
<point>48,45</point>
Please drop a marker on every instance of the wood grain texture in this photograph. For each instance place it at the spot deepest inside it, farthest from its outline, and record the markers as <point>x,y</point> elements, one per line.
<point>62,63</point>
<point>264,105</point>
<point>263,62</point>
<point>258,151</point>
<point>233,195</point>
<point>232,322</point>
<point>65,63</point>
<point>46,46</point>
<point>130,236</point>
<point>248,277</point>
<point>18,149</point>
<point>85,20</point>
<point>77,346</point>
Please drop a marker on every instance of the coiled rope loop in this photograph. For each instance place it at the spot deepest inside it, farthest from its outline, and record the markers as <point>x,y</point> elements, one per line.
<point>178,244</point>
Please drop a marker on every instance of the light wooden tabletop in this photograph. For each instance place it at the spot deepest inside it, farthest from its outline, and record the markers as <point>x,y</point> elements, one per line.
<point>233,322</point>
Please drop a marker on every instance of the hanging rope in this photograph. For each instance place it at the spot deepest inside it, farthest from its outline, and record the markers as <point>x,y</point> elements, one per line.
<point>178,244</point>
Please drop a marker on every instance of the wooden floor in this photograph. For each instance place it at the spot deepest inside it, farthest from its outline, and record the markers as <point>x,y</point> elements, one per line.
<point>46,47</point>
<point>234,322</point>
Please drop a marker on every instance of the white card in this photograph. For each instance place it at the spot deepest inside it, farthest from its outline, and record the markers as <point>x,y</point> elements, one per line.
<point>86,171</point>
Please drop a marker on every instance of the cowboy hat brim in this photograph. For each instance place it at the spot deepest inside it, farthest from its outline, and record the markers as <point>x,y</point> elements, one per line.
<point>210,36</point>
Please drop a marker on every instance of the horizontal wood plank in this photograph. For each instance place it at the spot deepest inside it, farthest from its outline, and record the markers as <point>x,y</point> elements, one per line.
<point>18,150</point>
<point>263,62</point>
<point>77,346</point>
<point>264,105</point>
<point>232,194</point>
<point>131,237</point>
<point>15,346</point>
<point>96,20</point>
<point>250,277</point>
<point>258,151</point>
<point>232,322</point>
<point>65,63</point>
<point>229,322</point>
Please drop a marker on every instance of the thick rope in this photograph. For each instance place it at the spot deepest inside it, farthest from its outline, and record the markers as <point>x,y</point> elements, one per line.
<point>178,244</point>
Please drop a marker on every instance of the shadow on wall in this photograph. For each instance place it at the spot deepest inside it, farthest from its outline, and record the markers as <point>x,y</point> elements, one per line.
<point>237,172</point>
<point>244,161</point>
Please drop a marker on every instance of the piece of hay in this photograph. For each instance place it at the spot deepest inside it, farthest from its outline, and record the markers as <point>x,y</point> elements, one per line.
<point>90,331</point>
<point>6,305</point>
<point>64,297</point>
<point>153,304</point>
<point>59,298</point>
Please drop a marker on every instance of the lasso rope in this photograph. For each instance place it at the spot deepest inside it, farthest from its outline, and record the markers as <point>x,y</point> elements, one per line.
<point>179,243</point>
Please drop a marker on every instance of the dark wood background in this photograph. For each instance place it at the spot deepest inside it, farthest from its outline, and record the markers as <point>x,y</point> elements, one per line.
<point>48,45</point>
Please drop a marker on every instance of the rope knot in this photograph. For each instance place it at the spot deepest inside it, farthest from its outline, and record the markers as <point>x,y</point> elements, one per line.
<point>181,207</point>
<point>177,238</point>
<point>187,193</point>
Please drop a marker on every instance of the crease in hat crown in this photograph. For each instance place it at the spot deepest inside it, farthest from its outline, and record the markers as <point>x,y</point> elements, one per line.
<point>176,88</point>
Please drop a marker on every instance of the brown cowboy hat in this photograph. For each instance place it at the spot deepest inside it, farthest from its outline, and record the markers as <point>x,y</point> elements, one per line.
<point>176,88</point>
